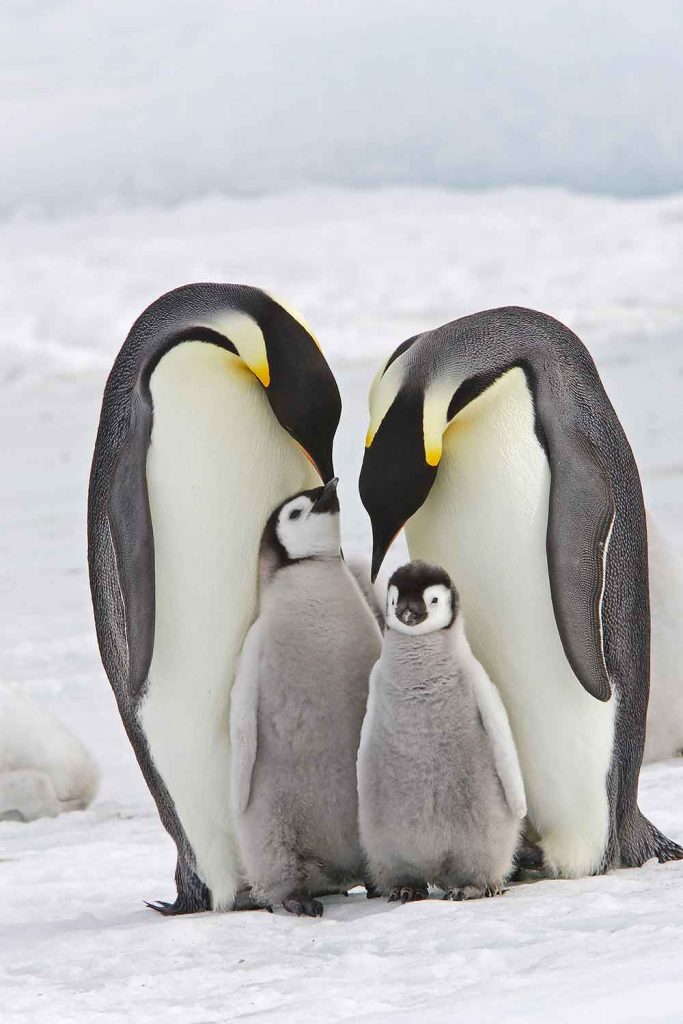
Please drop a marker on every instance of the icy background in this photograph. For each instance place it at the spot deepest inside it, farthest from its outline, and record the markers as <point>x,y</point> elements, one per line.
<point>384,167</point>
<point>367,270</point>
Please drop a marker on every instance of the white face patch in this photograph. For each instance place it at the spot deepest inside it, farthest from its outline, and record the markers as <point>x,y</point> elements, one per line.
<point>437,599</point>
<point>307,534</point>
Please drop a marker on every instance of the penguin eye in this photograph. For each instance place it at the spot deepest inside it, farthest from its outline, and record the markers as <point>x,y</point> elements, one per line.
<point>434,600</point>
<point>295,513</point>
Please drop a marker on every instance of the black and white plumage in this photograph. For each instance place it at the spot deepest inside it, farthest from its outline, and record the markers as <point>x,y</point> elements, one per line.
<point>297,709</point>
<point>440,791</point>
<point>493,441</point>
<point>219,405</point>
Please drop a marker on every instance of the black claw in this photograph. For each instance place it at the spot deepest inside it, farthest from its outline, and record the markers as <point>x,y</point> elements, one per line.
<point>170,909</point>
<point>371,890</point>
<point>301,904</point>
<point>159,906</point>
<point>407,894</point>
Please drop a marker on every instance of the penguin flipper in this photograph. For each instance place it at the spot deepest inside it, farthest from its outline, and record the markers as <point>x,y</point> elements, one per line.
<point>244,719</point>
<point>374,594</point>
<point>130,524</point>
<point>580,520</point>
<point>497,727</point>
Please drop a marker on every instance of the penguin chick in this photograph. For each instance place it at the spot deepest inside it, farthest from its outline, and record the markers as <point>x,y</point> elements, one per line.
<point>297,709</point>
<point>441,797</point>
<point>374,593</point>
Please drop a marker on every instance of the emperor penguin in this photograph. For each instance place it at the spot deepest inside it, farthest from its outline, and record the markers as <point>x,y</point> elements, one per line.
<point>297,709</point>
<point>440,791</point>
<point>493,441</point>
<point>219,404</point>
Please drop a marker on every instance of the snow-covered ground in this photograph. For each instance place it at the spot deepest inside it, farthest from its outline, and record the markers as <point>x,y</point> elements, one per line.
<point>367,270</point>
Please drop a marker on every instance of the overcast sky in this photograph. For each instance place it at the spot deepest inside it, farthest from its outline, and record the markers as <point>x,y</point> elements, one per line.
<point>161,100</point>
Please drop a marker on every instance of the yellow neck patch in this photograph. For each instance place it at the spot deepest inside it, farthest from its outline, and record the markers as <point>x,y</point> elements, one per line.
<point>247,337</point>
<point>435,418</point>
<point>382,396</point>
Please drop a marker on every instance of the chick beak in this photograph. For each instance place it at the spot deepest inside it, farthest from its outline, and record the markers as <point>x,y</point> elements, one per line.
<point>328,500</point>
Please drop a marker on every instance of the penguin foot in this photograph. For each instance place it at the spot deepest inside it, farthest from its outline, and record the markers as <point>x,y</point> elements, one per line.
<point>528,857</point>
<point>244,900</point>
<point>474,892</point>
<point>301,904</point>
<point>371,890</point>
<point>408,893</point>
<point>640,841</point>
<point>174,909</point>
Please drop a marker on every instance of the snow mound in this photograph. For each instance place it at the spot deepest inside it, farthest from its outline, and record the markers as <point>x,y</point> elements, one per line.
<point>44,769</point>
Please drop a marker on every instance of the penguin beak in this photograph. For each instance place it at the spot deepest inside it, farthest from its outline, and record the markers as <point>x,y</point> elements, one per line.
<point>328,500</point>
<point>380,546</point>
<point>411,612</point>
<point>395,478</point>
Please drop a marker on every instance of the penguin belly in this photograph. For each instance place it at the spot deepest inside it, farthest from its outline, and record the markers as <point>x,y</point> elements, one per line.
<point>485,521</point>
<point>217,465</point>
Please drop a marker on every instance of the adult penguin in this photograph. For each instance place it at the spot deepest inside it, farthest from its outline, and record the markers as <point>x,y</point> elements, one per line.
<point>219,405</point>
<point>493,440</point>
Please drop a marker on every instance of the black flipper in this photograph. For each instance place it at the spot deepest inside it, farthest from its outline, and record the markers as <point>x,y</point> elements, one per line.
<point>580,520</point>
<point>130,523</point>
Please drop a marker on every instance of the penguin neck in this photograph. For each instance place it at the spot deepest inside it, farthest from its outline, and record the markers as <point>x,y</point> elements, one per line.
<point>418,665</point>
<point>272,563</point>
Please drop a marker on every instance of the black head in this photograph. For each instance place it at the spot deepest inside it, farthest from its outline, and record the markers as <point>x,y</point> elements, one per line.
<point>302,390</point>
<point>421,599</point>
<point>272,341</point>
<point>395,477</point>
<point>424,385</point>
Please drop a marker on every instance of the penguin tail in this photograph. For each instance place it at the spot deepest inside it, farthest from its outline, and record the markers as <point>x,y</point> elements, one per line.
<point>642,842</point>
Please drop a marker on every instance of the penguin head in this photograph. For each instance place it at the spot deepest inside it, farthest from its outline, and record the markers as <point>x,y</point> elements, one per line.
<point>271,341</point>
<point>421,599</point>
<point>413,399</point>
<point>304,526</point>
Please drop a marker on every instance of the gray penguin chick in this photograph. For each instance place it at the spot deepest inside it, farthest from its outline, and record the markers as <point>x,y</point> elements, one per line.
<point>441,797</point>
<point>297,709</point>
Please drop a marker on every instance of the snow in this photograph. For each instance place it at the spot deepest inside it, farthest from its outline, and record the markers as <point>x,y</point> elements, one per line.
<point>367,270</point>
<point>44,769</point>
<point>77,945</point>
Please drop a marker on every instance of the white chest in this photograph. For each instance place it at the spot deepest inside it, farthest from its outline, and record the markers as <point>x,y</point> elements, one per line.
<point>485,521</point>
<point>218,464</point>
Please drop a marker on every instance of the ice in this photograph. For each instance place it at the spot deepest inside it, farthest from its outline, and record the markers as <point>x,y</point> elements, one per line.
<point>367,270</point>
